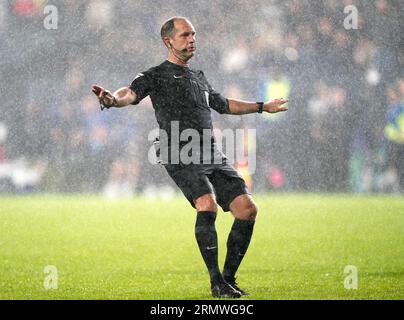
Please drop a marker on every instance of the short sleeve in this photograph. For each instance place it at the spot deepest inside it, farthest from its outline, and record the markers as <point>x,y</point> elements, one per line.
<point>217,101</point>
<point>142,85</point>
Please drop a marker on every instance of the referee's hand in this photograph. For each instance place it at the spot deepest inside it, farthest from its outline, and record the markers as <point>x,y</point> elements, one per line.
<point>104,96</point>
<point>275,106</point>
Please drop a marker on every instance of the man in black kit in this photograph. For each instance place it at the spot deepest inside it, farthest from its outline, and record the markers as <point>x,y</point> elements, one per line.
<point>184,96</point>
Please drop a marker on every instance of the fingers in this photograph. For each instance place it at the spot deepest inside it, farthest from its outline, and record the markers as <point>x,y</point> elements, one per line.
<point>96,89</point>
<point>104,96</point>
<point>276,105</point>
<point>281,101</point>
<point>101,93</point>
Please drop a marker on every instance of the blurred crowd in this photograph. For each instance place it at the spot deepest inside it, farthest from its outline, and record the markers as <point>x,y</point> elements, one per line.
<point>344,130</point>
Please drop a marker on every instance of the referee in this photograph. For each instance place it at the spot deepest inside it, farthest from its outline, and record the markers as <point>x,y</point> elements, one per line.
<point>182,95</point>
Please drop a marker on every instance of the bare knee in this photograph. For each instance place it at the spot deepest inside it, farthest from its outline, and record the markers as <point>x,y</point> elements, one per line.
<point>244,208</point>
<point>250,211</point>
<point>207,202</point>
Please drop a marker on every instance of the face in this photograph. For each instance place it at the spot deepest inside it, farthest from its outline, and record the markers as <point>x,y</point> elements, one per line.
<point>183,40</point>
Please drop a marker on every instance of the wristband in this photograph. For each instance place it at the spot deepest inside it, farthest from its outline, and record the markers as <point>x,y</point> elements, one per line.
<point>260,107</point>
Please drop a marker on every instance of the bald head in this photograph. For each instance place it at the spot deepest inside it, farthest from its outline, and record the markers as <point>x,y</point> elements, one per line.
<point>168,28</point>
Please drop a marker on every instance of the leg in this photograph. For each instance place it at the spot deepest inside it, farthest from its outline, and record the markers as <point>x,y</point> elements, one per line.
<point>244,211</point>
<point>206,236</point>
<point>205,233</point>
<point>196,187</point>
<point>232,195</point>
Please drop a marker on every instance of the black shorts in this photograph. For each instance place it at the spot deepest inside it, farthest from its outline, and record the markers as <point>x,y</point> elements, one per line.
<point>195,180</point>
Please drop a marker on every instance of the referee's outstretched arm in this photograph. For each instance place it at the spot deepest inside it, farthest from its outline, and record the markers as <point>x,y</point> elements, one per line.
<point>120,98</point>
<point>245,107</point>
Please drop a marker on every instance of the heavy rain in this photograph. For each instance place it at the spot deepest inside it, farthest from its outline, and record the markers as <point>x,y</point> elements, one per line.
<point>338,62</point>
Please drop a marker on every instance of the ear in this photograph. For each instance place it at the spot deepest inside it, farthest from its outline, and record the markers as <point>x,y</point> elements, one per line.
<point>167,42</point>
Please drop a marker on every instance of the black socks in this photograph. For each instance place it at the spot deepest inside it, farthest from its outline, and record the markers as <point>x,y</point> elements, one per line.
<point>206,236</point>
<point>237,245</point>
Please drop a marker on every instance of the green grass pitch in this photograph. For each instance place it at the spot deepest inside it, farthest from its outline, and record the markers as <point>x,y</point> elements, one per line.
<point>145,249</point>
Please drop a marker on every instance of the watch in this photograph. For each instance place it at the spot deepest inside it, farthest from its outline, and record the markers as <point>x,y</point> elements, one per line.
<point>260,107</point>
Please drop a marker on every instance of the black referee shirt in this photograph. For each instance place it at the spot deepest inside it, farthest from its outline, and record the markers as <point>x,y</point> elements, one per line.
<point>179,94</point>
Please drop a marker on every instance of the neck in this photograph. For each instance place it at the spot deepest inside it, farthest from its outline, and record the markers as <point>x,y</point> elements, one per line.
<point>177,60</point>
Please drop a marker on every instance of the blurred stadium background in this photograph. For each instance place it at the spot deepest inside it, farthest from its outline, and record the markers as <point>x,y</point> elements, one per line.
<point>344,131</point>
